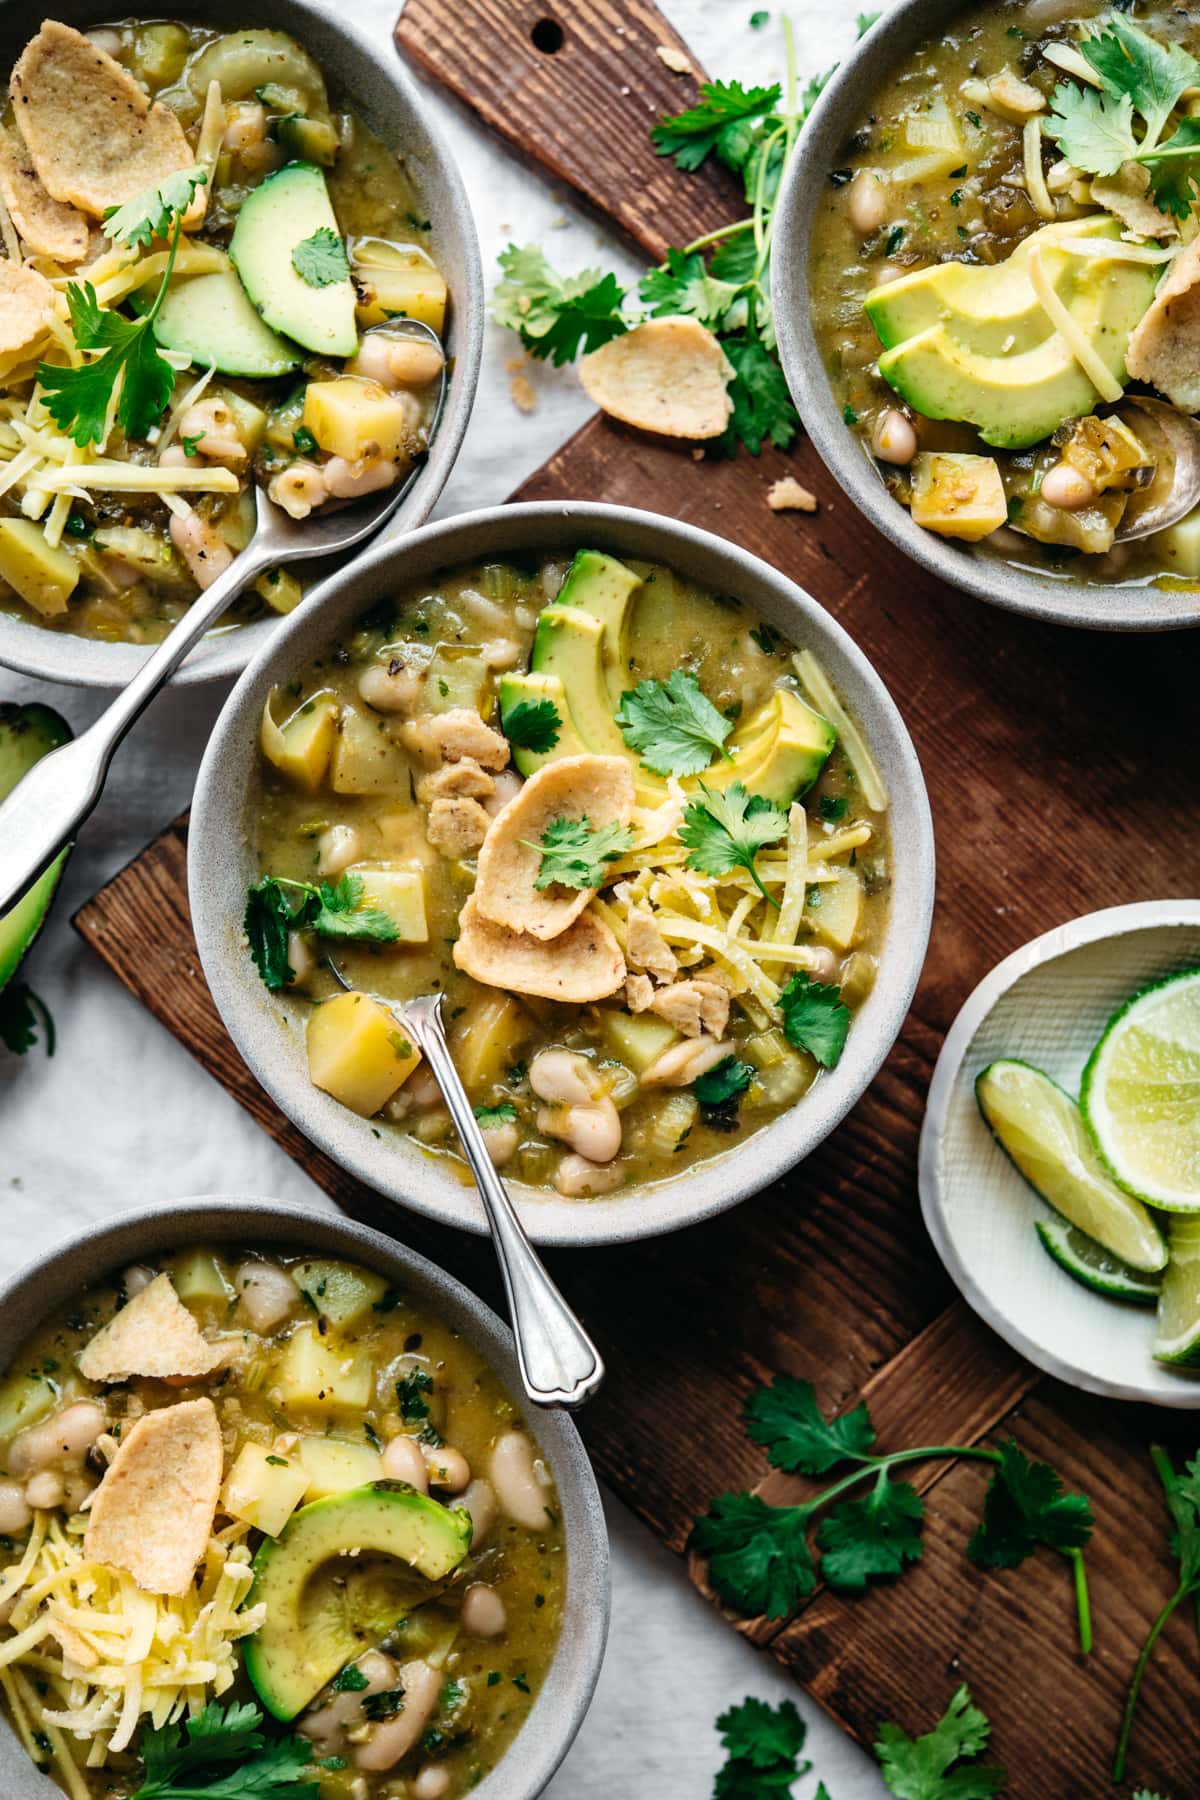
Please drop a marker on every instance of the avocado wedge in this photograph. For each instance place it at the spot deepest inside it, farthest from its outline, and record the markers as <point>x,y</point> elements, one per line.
<point>288,213</point>
<point>27,733</point>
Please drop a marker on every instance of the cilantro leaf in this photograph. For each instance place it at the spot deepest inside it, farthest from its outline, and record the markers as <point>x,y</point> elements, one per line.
<point>1175,170</point>
<point>864,22</point>
<point>1027,1506</point>
<point>762,405</point>
<point>762,1735</point>
<point>349,1680</point>
<point>689,136</point>
<point>786,1420</point>
<point>874,1536</point>
<point>490,1116</point>
<point>726,830</point>
<point>758,1555</point>
<point>685,285</point>
<point>274,907</point>
<point>532,725</point>
<point>555,315</point>
<point>673,725</point>
<point>149,214</point>
<point>1093,130</point>
<point>21,1013</point>
<point>725,1081</point>
<point>923,1768</point>
<point>410,1395</point>
<point>574,853</point>
<point>321,260</point>
<point>268,918</point>
<point>341,914</point>
<point>1150,74</point>
<point>814,1018</point>
<point>264,1768</point>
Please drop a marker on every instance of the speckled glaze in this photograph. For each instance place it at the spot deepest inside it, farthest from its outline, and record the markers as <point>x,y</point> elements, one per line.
<point>357,54</point>
<point>268,1030</point>
<point>837,114</point>
<point>559,1709</point>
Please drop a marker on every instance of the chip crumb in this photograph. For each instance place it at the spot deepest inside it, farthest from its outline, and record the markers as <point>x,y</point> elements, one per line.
<point>677,61</point>
<point>521,392</point>
<point>698,453</point>
<point>787,495</point>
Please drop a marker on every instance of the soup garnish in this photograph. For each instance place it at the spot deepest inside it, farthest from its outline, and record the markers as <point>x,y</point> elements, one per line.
<point>569,797</point>
<point>197,245</point>
<point>235,1486</point>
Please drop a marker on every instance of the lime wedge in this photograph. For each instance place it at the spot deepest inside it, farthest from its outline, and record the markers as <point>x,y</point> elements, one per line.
<point>1141,1094</point>
<point>1040,1128</point>
<point>1092,1265</point>
<point>1178,1339</point>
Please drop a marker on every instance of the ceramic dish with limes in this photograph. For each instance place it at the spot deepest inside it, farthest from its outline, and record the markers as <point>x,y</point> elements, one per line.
<point>1060,1156</point>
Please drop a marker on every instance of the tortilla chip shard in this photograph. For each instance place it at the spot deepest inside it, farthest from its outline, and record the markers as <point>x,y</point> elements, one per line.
<point>584,963</point>
<point>25,299</point>
<point>668,375</point>
<point>47,226</point>
<point>598,789</point>
<point>153,1512</point>
<point>1164,351</point>
<point>153,1334</point>
<point>95,137</point>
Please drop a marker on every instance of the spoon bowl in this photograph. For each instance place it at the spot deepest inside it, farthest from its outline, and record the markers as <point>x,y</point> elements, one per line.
<point>1180,494</point>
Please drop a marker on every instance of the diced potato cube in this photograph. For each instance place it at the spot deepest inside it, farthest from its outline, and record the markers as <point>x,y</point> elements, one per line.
<point>487,1039</point>
<point>340,1292</point>
<point>357,1052</point>
<point>958,496</point>
<point>301,748</point>
<point>333,1467</point>
<point>398,284</point>
<point>637,1039</point>
<point>365,760</point>
<point>24,1399</point>
<point>353,417</point>
<point>454,679</point>
<point>401,894</point>
<point>263,1489</point>
<point>836,915</point>
<point>1178,547</point>
<point>197,1276</point>
<point>43,575</point>
<point>316,1371</point>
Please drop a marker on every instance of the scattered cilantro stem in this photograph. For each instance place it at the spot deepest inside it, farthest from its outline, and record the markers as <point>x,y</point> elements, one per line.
<point>1183,1504</point>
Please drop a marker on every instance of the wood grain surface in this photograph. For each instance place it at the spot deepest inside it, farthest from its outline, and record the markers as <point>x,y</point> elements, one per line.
<point>1064,776</point>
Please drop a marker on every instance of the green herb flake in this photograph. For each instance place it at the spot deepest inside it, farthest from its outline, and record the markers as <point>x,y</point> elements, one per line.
<point>320,260</point>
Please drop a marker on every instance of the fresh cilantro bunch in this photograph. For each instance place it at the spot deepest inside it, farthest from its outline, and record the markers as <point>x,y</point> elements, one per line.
<point>275,906</point>
<point>761,1560</point>
<point>763,1747</point>
<point>727,828</point>
<point>556,316</point>
<point>532,725</point>
<point>575,854</point>
<point>1141,84</point>
<point>930,1767</point>
<point>222,1754</point>
<point>673,725</point>
<point>1182,1495</point>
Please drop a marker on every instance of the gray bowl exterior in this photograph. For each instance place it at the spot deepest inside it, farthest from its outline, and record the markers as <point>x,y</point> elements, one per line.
<point>561,1705</point>
<point>838,113</point>
<point>355,49</point>
<point>265,1027</point>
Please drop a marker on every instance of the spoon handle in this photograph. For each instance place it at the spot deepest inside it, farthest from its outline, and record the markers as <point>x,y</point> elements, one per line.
<point>560,1366</point>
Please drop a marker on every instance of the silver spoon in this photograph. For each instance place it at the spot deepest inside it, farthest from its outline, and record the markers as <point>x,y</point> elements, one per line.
<point>560,1365</point>
<point>1167,501</point>
<point>44,812</point>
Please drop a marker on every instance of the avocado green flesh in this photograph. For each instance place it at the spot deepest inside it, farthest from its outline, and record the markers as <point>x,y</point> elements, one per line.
<point>284,211</point>
<point>312,1628</point>
<point>604,587</point>
<point>568,644</point>
<point>781,760</point>
<point>27,733</point>
<point>533,688</point>
<point>210,318</point>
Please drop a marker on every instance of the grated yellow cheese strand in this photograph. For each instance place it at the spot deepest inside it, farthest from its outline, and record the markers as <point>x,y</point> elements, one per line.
<point>134,478</point>
<point>1035,175</point>
<point>840,843</point>
<point>1076,340</point>
<point>677,929</point>
<point>786,923</point>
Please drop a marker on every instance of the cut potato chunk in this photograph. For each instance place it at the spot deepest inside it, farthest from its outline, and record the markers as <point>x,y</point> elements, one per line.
<point>334,1467</point>
<point>365,760</point>
<point>301,748</point>
<point>355,418</point>
<point>401,894</point>
<point>837,917</point>
<point>395,283</point>
<point>43,575</point>
<point>340,1293</point>
<point>487,1039</point>
<point>958,496</point>
<point>314,1372</point>
<point>1179,546</point>
<point>357,1052</point>
<point>264,1489</point>
<point>638,1041</point>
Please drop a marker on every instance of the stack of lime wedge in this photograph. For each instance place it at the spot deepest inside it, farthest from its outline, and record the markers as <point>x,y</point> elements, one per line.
<point>1127,1155</point>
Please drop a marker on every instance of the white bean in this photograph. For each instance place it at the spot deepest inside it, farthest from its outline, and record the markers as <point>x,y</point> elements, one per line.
<point>563,1078</point>
<point>413,362</point>
<point>894,440</point>
<point>823,964</point>
<point>395,689</point>
<point>350,480</point>
<point>866,201</point>
<point>108,41</point>
<point>483,1612</point>
<point>325,1724</point>
<point>298,489</point>
<point>593,1131</point>
<point>432,1783</point>
<point>15,1512</point>
<point>576,1178</point>
<point>502,653</point>
<point>44,1490</point>
<point>515,1481</point>
<point>247,125</point>
<point>392,1740</point>
<point>402,1461</point>
<point>479,1503</point>
<point>201,546</point>
<point>301,960</point>
<point>501,1143</point>
<point>679,1065</point>
<point>134,1279</point>
<point>214,427</point>
<point>60,1442</point>
<point>448,1468</point>
<point>267,1292</point>
<point>1065,488</point>
<point>337,848</point>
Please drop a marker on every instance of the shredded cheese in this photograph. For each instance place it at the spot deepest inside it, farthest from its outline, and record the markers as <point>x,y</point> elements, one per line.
<point>1089,360</point>
<point>1035,175</point>
<point>820,691</point>
<point>1073,61</point>
<point>1119,250</point>
<point>786,923</point>
<point>136,478</point>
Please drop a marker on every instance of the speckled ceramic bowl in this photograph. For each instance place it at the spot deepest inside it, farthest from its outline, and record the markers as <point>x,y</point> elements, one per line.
<point>267,1028</point>
<point>560,1707</point>
<point>355,49</point>
<point>1038,592</point>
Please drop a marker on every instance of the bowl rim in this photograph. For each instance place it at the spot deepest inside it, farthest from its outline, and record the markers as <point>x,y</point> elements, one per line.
<point>81,1257</point>
<point>1034,594</point>
<point>411,126</point>
<point>217,887</point>
<point>1089,928</point>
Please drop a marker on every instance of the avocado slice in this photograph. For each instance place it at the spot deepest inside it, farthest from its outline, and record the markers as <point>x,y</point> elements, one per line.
<point>778,752</point>
<point>569,644</point>
<point>282,213</point>
<point>27,733</point>
<point>532,688</point>
<point>310,1632</point>
<point>210,319</point>
<point>604,587</point>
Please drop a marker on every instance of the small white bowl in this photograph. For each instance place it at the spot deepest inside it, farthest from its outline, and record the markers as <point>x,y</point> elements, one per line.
<point>1046,1004</point>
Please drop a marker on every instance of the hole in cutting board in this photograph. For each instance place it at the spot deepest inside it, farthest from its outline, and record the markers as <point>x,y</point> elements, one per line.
<point>547,36</point>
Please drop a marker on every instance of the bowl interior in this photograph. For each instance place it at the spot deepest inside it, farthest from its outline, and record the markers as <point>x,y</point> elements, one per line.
<point>361,63</point>
<point>268,1031</point>
<point>1032,590</point>
<point>560,1707</point>
<point>1047,1006</point>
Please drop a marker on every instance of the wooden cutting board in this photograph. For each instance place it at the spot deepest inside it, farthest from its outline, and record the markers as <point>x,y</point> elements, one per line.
<point>1064,776</point>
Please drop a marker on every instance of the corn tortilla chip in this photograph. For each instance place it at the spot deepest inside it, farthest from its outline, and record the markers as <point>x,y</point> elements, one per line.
<point>25,299</point>
<point>153,1512</point>
<point>585,963</point>
<point>93,134</point>
<point>1165,349</point>
<point>596,788</point>
<point>668,375</point>
<point>48,227</point>
<point>153,1334</point>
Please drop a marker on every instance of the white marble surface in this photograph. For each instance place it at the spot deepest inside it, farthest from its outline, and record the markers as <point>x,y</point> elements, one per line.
<point>121,1115</point>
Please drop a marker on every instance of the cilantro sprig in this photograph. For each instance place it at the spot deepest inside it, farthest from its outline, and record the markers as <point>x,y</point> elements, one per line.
<point>931,1767</point>
<point>321,260</point>
<point>276,906</point>
<point>1182,1495</point>
<point>575,853</point>
<point>489,1117</point>
<point>673,725</point>
<point>763,1559</point>
<point>763,1746</point>
<point>727,828</point>
<point>222,1754</point>
<point>815,1018</point>
<point>532,725</point>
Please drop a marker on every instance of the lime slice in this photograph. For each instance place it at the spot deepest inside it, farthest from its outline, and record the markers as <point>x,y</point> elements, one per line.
<point>1178,1339</point>
<point>1141,1094</point>
<point>1040,1128</point>
<point>1092,1265</point>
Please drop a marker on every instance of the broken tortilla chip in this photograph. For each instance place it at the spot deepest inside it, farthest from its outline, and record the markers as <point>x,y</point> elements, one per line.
<point>585,963</point>
<point>25,299</point>
<point>668,375</point>
<point>47,226</point>
<point>153,1512</point>
<point>1165,349</point>
<point>153,1334</point>
<point>95,137</point>
<point>597,789</point>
